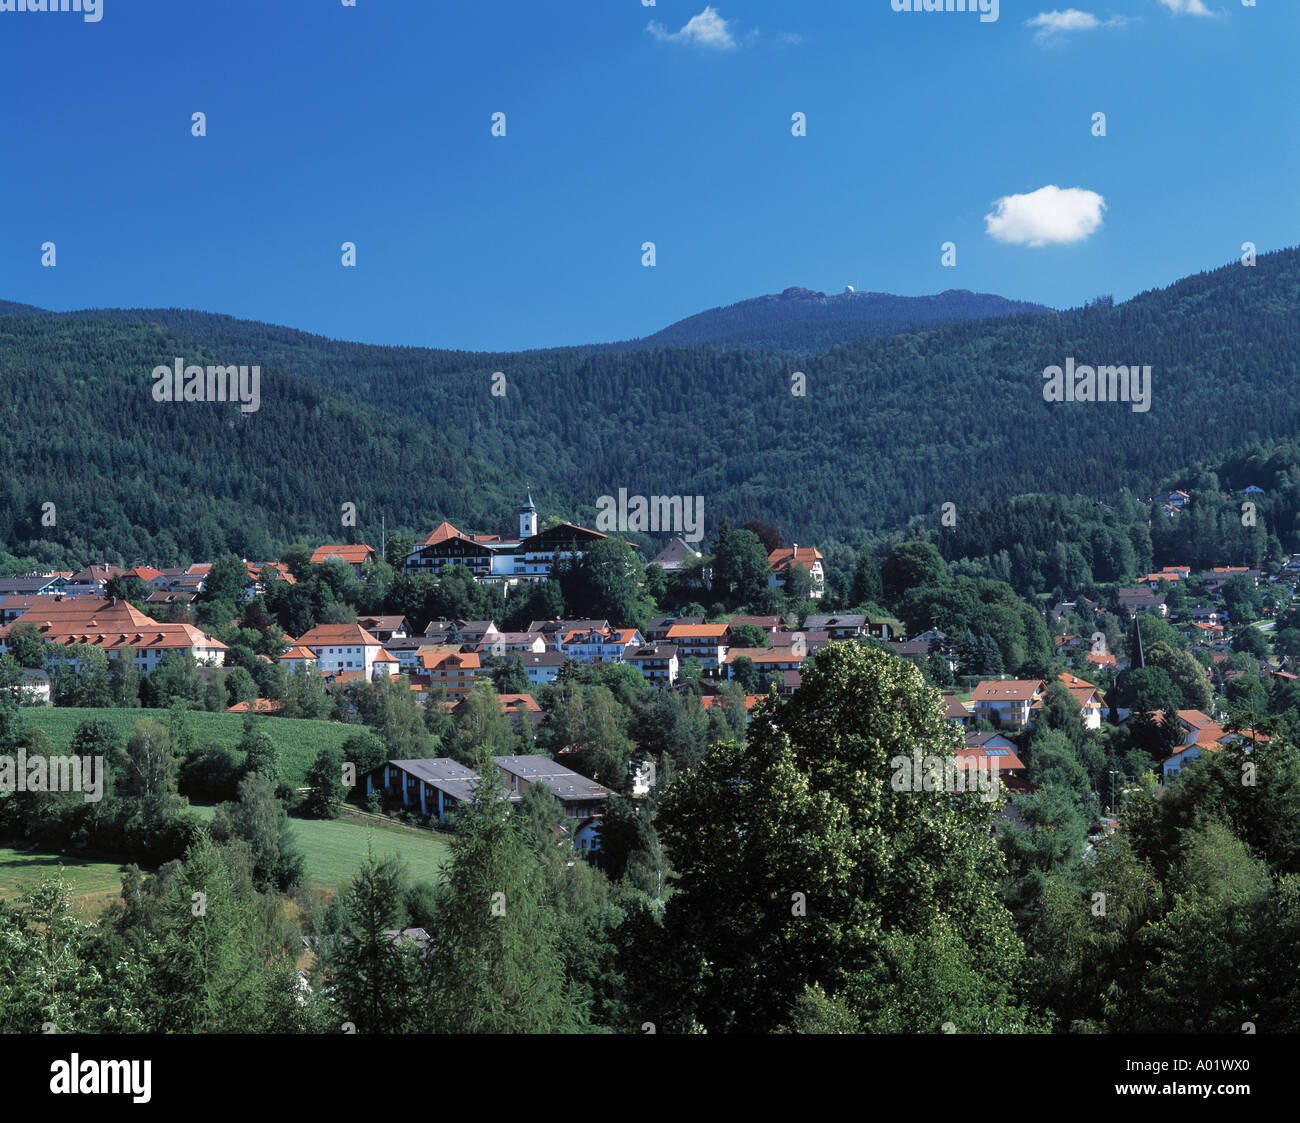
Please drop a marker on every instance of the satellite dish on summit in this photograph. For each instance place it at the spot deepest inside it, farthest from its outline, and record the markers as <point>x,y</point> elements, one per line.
<point>848,289</point>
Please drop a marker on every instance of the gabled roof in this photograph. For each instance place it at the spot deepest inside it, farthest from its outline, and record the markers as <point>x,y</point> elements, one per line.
<point>767,623</point>
<point>95,573</point>
<point>787,556</point>
<point>623,636</point>
<point>563,782</point>
<point>697,631</point>
<point>765,655</point>
<point>337,635</point>
<point>382,623</point>
<point>675,554</point>
<point>651,651</point>
<point>841,620</point>
<point>109,624</point>
<point>541,658</point>
<point>953,710</point>
<point>711,701</point>
<point>1004,759</point>
<point>562,626</point>
<point>260,706</point>
<point>450,660</point>
<point>440,533</point>
<point>353,555</point>
<point>1007,690</point>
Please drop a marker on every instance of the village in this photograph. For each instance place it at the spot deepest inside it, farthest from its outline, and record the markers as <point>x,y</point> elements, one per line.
<point>147,615</point>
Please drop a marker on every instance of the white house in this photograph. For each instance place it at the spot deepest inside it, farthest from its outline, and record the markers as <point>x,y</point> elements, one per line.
<point>347,647</point>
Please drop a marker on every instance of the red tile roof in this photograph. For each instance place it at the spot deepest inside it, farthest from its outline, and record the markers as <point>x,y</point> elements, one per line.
<point>353,555</point>
<point>788,556</point>
<point>337,635</point>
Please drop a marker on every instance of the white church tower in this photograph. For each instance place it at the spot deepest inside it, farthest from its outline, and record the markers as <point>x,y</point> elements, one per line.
<point>527,518</point>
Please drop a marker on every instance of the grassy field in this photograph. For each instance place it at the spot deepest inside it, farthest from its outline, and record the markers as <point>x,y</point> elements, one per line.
<point>335,848</point>
<point>298,741</point>
<point>94,885</point>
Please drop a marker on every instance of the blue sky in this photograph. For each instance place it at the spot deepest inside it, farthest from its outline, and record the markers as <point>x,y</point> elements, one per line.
<point>372,124</point>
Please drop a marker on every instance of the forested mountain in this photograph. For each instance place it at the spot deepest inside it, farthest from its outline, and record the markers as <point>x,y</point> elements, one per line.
<point>886,428</point>
<point>135,480</point>
<point>9,308</point>
<point>801,320</point>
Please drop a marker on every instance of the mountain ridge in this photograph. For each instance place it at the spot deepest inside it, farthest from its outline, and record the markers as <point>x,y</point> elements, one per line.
<point>886,430</point>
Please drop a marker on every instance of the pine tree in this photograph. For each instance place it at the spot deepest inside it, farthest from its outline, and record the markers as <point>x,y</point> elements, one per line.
<point>496,965</point>
<point>373,978</point>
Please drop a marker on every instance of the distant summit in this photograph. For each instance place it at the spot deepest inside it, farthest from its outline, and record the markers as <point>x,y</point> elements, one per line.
<point>802,319</point>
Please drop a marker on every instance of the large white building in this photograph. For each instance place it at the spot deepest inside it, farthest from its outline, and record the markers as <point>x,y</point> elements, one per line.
<point>502,559</point>
<point>115,626</point>
<point>340,648</point>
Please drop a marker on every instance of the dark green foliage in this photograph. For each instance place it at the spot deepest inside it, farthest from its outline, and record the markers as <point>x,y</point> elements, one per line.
<point>325,778</point>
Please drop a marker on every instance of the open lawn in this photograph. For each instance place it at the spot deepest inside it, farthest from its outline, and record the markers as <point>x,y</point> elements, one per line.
<point>94,885</point>
<point>299,741</point>
<point>335,848</point>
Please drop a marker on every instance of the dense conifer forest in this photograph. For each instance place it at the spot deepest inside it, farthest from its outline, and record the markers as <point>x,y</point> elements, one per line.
<point>885,429</point>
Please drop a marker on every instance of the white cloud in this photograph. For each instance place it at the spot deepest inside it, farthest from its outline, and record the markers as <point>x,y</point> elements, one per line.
<point>708,29</point>
<point>1049,25</point>
<point>1049,216</point>
<point>1188,7</point>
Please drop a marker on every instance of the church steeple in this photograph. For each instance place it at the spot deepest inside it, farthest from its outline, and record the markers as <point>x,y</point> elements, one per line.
<point>528,516</point>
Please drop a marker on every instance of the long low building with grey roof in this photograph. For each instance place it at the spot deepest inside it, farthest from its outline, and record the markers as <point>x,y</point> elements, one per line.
<point>438,785</point>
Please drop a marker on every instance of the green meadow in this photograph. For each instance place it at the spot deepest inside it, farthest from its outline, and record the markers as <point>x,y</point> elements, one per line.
<point>299,741</point>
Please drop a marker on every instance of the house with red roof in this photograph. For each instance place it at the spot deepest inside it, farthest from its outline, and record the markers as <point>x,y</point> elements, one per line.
<point>450,669</point>
<point>298,656</point>
<point>774,662</point>
<point>1007,703</point>
<point>340,648</point>
<point>1089,699</point>
<point>705,642</point>
<point>608,645</point>
<point>781,562</point>
<point>1201,734</point>
<point>355,556</point>
<point>114,626</point>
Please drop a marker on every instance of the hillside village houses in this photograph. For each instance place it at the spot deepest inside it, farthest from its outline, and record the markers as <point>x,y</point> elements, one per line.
<point>451,656</point>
